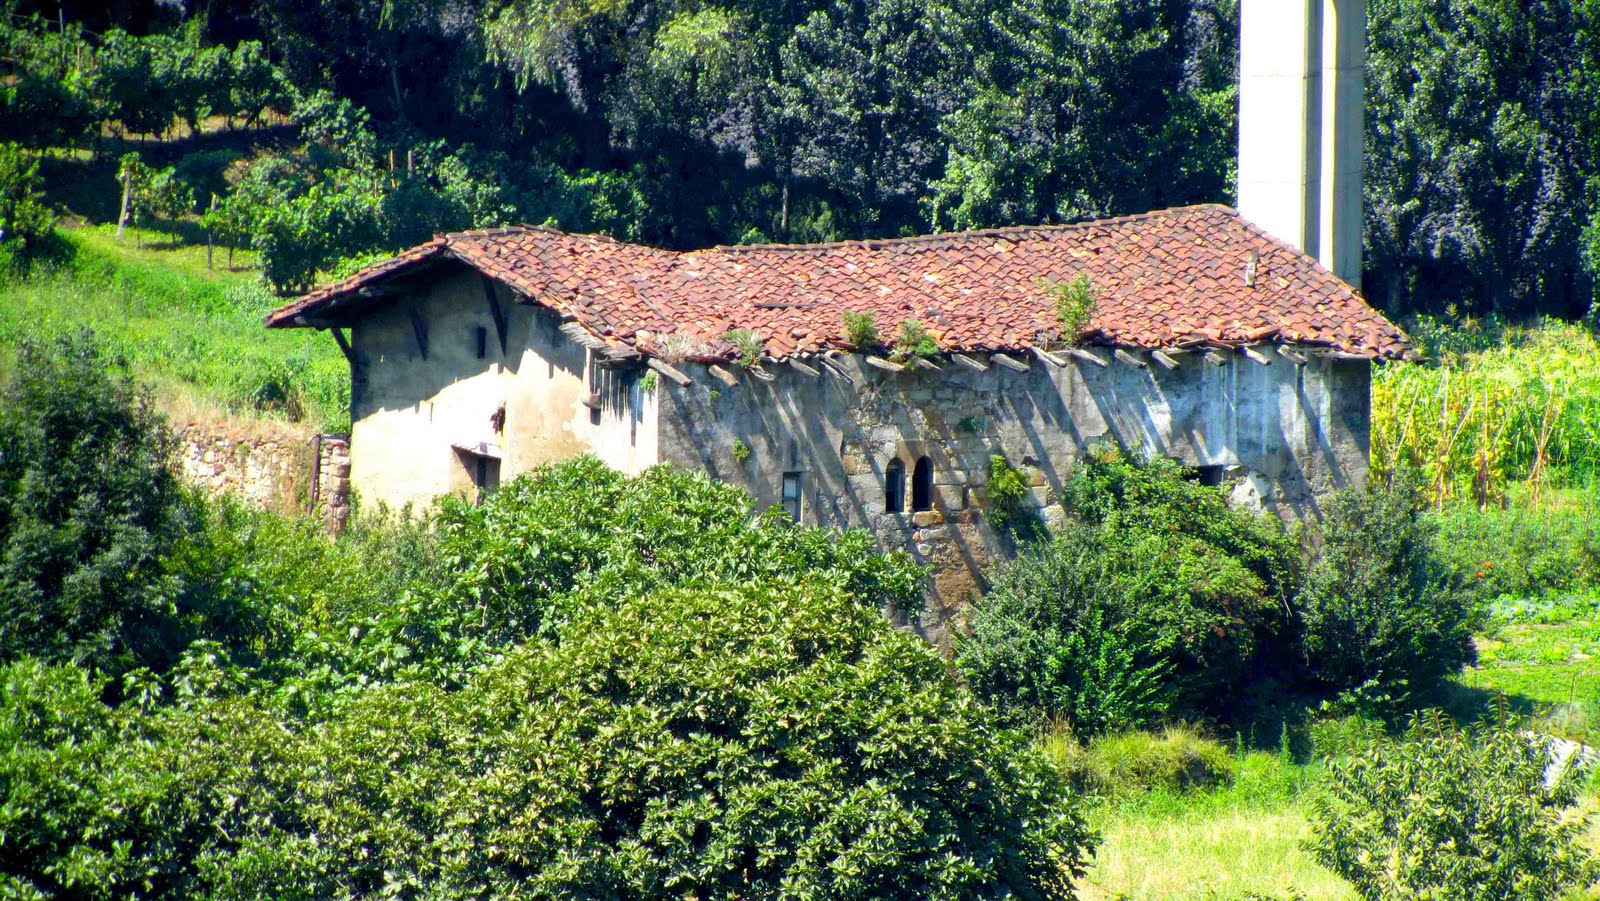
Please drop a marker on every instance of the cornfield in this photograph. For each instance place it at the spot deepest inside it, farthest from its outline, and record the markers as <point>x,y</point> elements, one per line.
<point>1523,413</point>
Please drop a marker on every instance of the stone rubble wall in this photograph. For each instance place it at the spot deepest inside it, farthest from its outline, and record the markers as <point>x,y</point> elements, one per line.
<point>272,469</point>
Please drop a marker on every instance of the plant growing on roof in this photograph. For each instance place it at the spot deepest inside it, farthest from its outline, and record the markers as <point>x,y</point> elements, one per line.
<point>860,329</point>
<point>913,342</point>
<point>675,348</point>
<point>748,344</point>
<point>1075,304</point>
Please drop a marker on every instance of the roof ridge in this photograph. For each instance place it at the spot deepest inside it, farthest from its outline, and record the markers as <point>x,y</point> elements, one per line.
<point>976,233</point>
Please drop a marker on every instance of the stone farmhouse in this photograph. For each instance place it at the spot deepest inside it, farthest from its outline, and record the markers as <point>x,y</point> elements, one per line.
<point>481,355</point>
<point>1245,352</point>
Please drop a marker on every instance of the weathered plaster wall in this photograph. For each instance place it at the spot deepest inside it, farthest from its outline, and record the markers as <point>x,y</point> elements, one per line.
<point>410,414</point>
<point>1286,434</point>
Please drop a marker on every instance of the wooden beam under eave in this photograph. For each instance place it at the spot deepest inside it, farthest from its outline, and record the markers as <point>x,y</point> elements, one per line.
<point>344,346</point>
<point>1088,357</point>
<point>972,363</point>
<point>670,372</point>
<point>1009,362</point>
<point>1129,358</point>
<point>1292,355</point>
<point>1255,354</point>
<point>1216,358</point>
<point>885,365</point>
<point>1161,356</point>
<point>723,375</point>
<point>802,367</point>
<point>1047,357</point>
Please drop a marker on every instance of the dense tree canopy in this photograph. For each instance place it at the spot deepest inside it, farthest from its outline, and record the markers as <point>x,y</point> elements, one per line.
<point>686,124</point>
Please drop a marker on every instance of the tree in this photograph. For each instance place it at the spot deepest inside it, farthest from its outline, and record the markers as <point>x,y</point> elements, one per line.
<point>87,509</point>
<point>24,219</point>
<point>1475,814</point>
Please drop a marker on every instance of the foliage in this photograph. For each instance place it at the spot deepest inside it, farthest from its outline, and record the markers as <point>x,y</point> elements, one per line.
<point>860,329</point>
<point>1382,618</point>
<point>649,381</point>
<point>1075,303</point>
<point>747,344</point>
<point>24,219</point>
<point>1526,411</point>
<point>1178,758</point>
<point>189,332</point>
<point>1008,508</point>
<point>1456,813</point>
<point>913,342</point>
<point>1526,549</point>
<point>740,450</point>
<point>88,508</point>
<point>1158,594</point>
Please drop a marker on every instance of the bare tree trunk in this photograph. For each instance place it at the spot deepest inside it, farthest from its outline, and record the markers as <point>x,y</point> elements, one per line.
<point>208,232</point>
<point>127,198</point>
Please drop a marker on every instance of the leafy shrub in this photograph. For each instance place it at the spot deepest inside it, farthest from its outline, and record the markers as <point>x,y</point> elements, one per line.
<point>1452,813</point>
<point>1158,593</point>
<point>1008,508</point>
<point>1075,302</point>
<point>87,509</point>
<point>1178,758</point>
<point>1382,618</point>
<point>914,342</point>
<point>24,219</point>
<point>861,329</point>
<point>747,344</point>
<point>715,744</point>
<point>1048,640</point>
<point>1525,550</point>
<point>522,564</point>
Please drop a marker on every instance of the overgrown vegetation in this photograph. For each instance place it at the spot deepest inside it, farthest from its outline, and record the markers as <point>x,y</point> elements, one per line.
<point>1479,813</point>
<point>591,682</point>
<point>1075,303</point>
<point>861,329</point>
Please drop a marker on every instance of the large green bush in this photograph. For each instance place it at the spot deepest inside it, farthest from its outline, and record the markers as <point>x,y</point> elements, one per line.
<point>1451,813</point>
<point>1524,550</point>
<point>780,740</point>
<point>1157,595</point>
<point>88,508</point>
<point>24,218</point>
<point>1382,617</point>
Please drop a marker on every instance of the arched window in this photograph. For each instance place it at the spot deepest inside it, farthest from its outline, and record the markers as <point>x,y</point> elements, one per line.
<point>922,485</point>
<point>894,487</point>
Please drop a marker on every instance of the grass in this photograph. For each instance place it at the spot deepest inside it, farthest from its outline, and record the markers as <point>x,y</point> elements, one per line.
<point>193,334</point>
<point>1243,837</point>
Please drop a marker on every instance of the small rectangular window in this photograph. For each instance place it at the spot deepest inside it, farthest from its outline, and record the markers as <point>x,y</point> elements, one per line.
<point>481,335</point>
<point>791,495</point>
<point>1210,476</point>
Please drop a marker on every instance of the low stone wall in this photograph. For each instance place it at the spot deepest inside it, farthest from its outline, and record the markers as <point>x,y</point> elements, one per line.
<point>271,468</point>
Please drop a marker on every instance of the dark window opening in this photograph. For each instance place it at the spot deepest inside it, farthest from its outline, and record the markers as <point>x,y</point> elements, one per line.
<point>791,495</point>
<point>922,485</point>
<point>1210,476</point>
<point>482,471</point>
<point>481,336</point>
<point>894,487</point>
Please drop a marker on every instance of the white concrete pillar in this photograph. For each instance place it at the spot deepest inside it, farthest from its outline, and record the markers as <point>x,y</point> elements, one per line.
<point>1344,61</point>
<point>1302,125</point>
<point>1279,117</point>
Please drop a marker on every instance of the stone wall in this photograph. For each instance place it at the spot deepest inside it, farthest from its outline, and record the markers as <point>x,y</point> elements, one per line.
<point>1284,434</point>
<point>270,467</point>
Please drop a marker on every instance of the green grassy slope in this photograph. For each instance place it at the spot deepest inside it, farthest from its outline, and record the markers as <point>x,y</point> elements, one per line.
<point>193,334</point>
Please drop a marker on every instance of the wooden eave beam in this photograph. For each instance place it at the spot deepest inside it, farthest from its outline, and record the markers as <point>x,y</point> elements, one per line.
<point>344,345</point>
<point>497,311</point>
<point>1254,353</point>
<point>802,367</point>
<point>1165,359</point>
<point>1292,355</point>
<point>1087,357</point>
<point>972,363</point>
<point>885,365</point>
<point>1130,359</point>
<point>419,329</point>
<point>1045,356</point>
<point>723,375</point>
<point>670,372</point>
<point>1216,358</point>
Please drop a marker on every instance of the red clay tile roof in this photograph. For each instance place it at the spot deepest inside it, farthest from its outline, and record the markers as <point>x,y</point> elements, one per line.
<point>1167,278</point>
